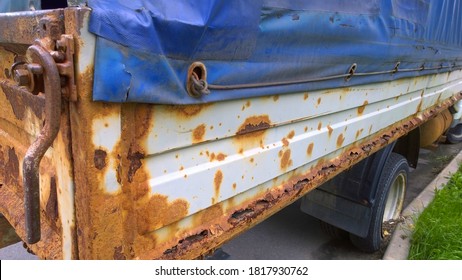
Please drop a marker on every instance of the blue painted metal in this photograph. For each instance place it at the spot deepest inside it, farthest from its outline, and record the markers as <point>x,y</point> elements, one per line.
<point>144,48</point>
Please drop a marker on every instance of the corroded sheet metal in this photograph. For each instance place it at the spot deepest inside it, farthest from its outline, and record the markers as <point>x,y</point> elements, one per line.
<point>303,156</point>
<point>21,119</point>
<point>21,28</point>
<point>152,181</point>
<point>176,181</point>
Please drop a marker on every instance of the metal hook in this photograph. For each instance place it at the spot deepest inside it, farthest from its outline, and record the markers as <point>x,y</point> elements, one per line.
<point>36,151</point>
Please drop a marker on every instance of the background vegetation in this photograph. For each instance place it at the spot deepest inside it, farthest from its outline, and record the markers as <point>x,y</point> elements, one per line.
<point>438,230</point>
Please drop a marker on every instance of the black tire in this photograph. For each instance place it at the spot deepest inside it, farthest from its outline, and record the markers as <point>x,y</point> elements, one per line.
<point>333,231</point>
<point>454,135</point>
<point>389,202</point>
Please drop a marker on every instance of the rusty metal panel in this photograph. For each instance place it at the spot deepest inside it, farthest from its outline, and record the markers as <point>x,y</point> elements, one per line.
<point>20,29</point>
<point>161,181</point>
<point>128,181</point>
<point>21,119</point>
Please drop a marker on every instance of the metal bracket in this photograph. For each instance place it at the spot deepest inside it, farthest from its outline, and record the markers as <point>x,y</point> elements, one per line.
<point>61,48</point>
<point>65,45</point>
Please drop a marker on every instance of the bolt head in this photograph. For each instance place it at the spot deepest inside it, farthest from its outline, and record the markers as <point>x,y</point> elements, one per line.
<point>22,77</point>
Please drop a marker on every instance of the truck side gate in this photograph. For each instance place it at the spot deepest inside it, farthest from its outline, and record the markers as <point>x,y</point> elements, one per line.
<point>149,180</point>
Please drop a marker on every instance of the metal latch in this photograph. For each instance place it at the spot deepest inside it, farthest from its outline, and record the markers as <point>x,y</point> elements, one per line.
<point>48,69</point>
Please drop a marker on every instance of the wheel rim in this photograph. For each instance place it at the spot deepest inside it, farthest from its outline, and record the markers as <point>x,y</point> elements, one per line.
<point>395,198</point>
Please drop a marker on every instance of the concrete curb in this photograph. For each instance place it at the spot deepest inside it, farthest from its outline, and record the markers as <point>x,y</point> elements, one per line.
<point>398,248</point>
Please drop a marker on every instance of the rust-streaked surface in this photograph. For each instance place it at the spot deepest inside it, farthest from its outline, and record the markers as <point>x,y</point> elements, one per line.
<point>21,29</point>
<point>16,133</point>
<point>168,182</point>
<point>177,181</point>
<point>21,119</point>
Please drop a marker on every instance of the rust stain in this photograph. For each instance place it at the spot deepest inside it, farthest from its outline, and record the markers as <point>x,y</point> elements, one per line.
<point>319,101</point>
<point>286,161</point>
<point>234,186</point>
<point>330,130</point>
<point>285,142</point>
<point>439,98</point>
<point>12,168</point>
<point>305,96</point>
<point>135,163</point>
<point>187,111</point>
<point>118,253</point>
<point>340,140</point>
<point>185,243</point>
<point>20,99</point>
<point>358,133</point>
<point>309,150</point>
<point>362,108</point>
<point>99,159</point>
<point>207,217</point>
<point>51,208</point>
<point>218,157</point>
<point>158,212</point>
<point>291,134</point>
<point>255,125</point>
<point>217,180</point>
<point>221,157</point>
<point>319,125</point>
<point>275,98</point>
<point>198,133</point>
<point>99,214</point>
<point>419,107</point>
<point>141,191</point>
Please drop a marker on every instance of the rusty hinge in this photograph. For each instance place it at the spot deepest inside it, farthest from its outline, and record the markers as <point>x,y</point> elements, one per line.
<point>48,69</point>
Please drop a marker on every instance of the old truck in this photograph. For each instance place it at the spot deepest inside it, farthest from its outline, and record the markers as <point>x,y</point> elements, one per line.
<point>162,129</point>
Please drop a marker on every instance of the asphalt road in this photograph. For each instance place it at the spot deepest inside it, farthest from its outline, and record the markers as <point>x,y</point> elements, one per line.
<point>293,235</point>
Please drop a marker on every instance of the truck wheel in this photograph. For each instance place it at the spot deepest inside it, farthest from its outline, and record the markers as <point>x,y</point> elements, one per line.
<point>389,202</point>
<point>454,135</point>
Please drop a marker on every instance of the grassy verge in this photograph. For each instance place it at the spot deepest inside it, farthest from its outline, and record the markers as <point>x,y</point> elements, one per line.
<point>438,230</point>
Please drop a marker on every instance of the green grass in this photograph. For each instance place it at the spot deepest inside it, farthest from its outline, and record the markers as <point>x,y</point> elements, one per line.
<point>438,230</point>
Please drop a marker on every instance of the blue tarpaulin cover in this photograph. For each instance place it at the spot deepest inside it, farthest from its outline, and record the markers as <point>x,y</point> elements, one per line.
<point>263,47</point>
